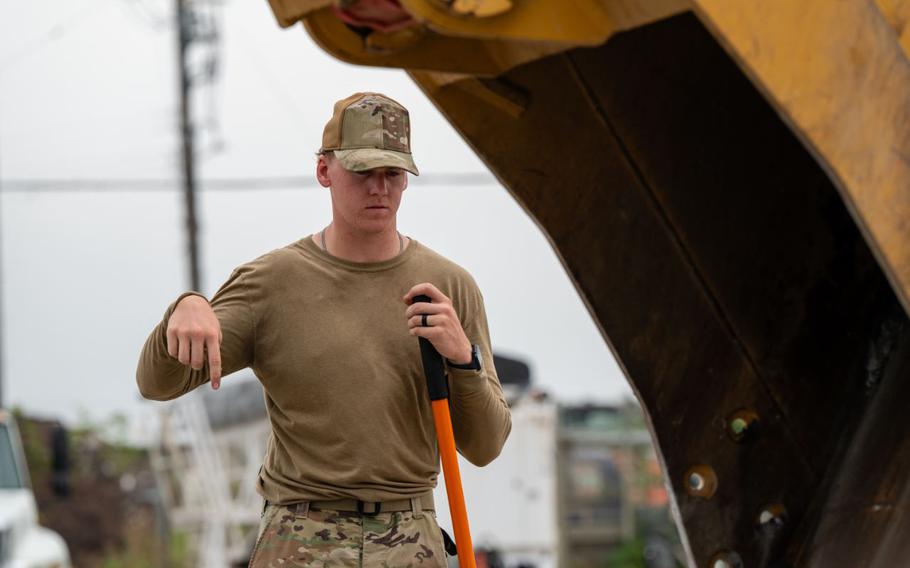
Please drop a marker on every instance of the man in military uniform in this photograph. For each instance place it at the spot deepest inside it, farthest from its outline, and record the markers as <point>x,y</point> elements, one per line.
<point>329,326</point>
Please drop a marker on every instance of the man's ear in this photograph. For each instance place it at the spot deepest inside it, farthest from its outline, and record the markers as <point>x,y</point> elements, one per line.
<point>322,171</point>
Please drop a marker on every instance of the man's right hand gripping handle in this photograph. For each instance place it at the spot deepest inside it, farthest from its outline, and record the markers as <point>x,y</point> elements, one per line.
<point>194,333</point>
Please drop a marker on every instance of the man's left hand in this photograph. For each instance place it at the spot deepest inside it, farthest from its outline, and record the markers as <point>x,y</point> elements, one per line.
<point>444,329</point>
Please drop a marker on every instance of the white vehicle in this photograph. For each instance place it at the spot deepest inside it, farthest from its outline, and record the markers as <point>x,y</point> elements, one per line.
<point>23,544</point>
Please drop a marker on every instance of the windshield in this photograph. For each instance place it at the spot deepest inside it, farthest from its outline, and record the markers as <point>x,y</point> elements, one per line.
<point>9,474</point>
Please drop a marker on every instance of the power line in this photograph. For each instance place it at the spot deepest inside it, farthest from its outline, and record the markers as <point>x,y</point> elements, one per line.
<point>36,185</point>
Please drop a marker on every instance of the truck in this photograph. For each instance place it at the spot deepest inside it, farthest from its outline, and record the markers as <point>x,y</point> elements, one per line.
<point>23,542</point>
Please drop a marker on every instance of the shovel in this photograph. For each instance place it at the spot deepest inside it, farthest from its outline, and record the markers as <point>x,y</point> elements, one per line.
<point>439,400</point>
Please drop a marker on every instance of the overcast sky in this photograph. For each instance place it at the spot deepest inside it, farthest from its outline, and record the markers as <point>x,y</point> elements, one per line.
<point>87,91</point>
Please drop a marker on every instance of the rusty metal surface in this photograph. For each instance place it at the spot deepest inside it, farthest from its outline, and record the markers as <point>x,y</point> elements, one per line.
<point>865,521</point>
<point>837,71</point>
<point>716,256</point>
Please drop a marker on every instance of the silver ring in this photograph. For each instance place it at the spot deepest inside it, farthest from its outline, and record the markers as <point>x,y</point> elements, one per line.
<point>423,321</point>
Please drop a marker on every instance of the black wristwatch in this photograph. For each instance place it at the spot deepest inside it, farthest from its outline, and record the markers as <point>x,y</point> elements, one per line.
<point>474,365</point>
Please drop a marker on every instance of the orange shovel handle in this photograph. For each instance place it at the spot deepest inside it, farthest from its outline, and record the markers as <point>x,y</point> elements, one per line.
<point>446,438</point>
<point>438,391</point>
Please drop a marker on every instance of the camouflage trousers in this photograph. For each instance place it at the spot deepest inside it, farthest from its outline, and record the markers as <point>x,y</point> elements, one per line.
<point>325,539</point>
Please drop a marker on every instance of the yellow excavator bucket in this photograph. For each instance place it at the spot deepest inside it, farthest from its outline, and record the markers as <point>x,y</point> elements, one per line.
<point>728,184</point>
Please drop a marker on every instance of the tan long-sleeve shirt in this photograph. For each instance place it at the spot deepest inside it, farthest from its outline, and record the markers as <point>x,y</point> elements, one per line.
<point>344,383</point>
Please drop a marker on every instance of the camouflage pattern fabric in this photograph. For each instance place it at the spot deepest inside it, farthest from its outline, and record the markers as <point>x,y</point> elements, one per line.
<point>376,121</point>
<point>368,158</point>
<point>370,130</point>
<point>326,539</point>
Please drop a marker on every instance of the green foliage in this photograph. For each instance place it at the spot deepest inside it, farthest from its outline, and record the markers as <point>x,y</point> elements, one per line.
<point>629,554</point>
<point>144,548</point>
<point>179,549</point>
<point>123,458</point>
<point>35,446</point>
<point>110,438</point>
<point>123,533</point>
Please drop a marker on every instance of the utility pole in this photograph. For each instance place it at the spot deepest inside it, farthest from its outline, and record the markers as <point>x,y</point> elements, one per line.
<point>185,29</point>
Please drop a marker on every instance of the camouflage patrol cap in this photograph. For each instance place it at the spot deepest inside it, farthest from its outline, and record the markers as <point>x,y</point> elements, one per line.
<point>369,130</point>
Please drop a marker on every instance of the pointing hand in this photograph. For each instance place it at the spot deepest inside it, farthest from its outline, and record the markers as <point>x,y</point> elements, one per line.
<point>192,331</point>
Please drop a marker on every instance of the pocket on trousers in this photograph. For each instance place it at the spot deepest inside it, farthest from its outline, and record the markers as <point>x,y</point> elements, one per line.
<point>434,539</point>
<point>268,514</point>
